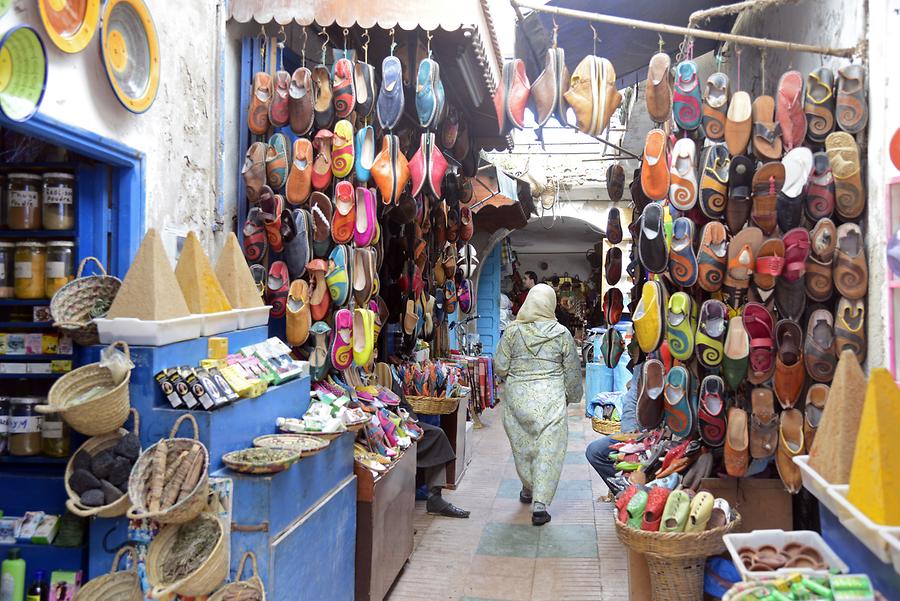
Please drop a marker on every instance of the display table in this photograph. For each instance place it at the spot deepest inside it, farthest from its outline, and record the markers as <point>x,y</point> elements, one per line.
<point>454,425</point>
<point>385,506</point>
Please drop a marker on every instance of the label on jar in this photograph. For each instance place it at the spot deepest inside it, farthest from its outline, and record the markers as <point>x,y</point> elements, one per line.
<point>28,424</point>
<point>52,429</point>
<point>56,269</point>
<point>22,199</point>
<point>4,424</point>
<point>2,271</point>
<point>58,195</point>
<point>23,270</point>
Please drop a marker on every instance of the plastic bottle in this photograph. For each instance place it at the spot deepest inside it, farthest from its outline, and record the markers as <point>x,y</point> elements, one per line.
<point>12,577</point>
<point>39,589</point>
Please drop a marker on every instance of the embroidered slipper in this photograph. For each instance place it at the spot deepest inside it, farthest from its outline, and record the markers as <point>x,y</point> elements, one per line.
<point>715,101</point>
<point>789,110</point>
<point>852,111</point>
<point>849,328</point>
<point>682,262</point>
<point>321,173</point>
<point>819,104</point>
<point>323,108</point>
<point>819,352</point>
<point>344,87</point>
<point>843,153</point>
<point>342,340</point>
<point>711,333</point>
<point>763,424</point>
<point>344,215</point>
<point>277,284</point>
<point>789,373</point>
<point>711,256</point>
<point>790,201</point>
<point>254,171</point>
<point>342,149</point>
<point>338,276</point>
<point>255,241</point>
<point>648,317</point>
<point>760,328</point>
<point>299,180</point>
<point>652,249</point>
<point>683,176</point>
<point>681,322</point>
<point>686,98</point>
<point>740,186</point>
<point>820,188</point>
<point>679,415</point>
<point>278,158</point>
<point>767,182</point>
<point>711,416</point>
<point>738,123</point>
<point>655,165</point>
<point>737,443</point>
<point>716,165</point>
<point>851,272</point>
<point>736,354</point>
<point>742,251</point>
<point>769,263</point>
<point>767,143</point>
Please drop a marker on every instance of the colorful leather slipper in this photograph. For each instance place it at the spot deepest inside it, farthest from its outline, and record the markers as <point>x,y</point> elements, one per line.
<point>716,165</point>
<point>658,94</point>
<point>740,186</point>
<point>612,266</point>
<point>299,180</point>
<point>279,108</point>
<point>321,174</point>
<point>737,443</point>
<point>849,328</point>
<point>715,101</point>
<point>298,317</point>
<point>254,171</point>
<point>622,502</point>
<point>452,298</point>
<point>852,112</point>
<point>613,217</point>
<point>675,514</point>
<point>769,263</point>
<point>652,249</point>
<point>816,397</point>
<point>366,222</point>
<point>363,271</point>
<point>255,241</point>
<point>686,98</point>
<point>683,176</point>
<point>760,329</point>
<point>344,216</point>
<point>711,333</point>
<point>271,207</point>
<point>344,88</point>
<point>635,509</point>
<point>342,149</point>
<point>819,104</point>
<point>390,171</point>
<point>648,317</point>
<point>798,164</point>
<point>796,251</point>
<point>653,512</point>
<point>342,340</point>
<point>767,182</point>
<point>820,188</point>
<point>323,108</point>
<point>544,90</point>
<point>363,336</point>
<point>300,101</point>
<point>681,322</point>
<point>260,100</point>
<point>738,123</point>
<point>319,296</point>
<point>711,415</point>
<point>819,349</point>
<point>737,353</point>
<point>682,262</point>
<point>655,165</point>
<point>711,256</point>
<point>319,359</point>
<point>789,373</point>
<point>365,153</point>
<point>297,249</point>
<point>613,306</point>
<point>651,403</point>
<point>790,298</point>
<point>611,346</point>
<point>763,424</point>
<point>389,105</point>
<point>338,277</point>
<point>426,96</point>
<point>320,211</point>
<point>679,413</point>
<point>843,153</point>
<point>790,444</point>
<point>516,92</point>
<point>277,284</point>
<point>701,511</point>
<point>278,158</point>
<point>851,272</point>
<point>767,144</point>
<point>789,110</point>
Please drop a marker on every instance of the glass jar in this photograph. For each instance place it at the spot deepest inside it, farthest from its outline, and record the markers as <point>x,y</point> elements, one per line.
<point>23,201</point>
<point>7,262</point>
<point>24,426</point>
<point>58,209</point>
<point>54,436</point>
<point>4,424</point>
<point>30,270</point>
<point>59,266</point>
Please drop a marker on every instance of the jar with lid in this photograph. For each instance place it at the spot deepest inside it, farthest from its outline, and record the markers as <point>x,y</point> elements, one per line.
<point>24,426</point>
<point>23,201</point>
<point>4,424</point>
<point>7,262</point>
<point>59,266</point>
<point>58,209</point>
<point>54,436</point>
<point>30,270</point>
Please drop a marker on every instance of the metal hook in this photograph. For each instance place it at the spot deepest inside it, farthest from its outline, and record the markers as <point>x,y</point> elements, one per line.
<point>263,42</point>
<point>282,33</point>
<point>346,31</point>
<point>324,44</point>
<point>661,42</point>
<point>393,43</point>
<point>428,36</point>
<point>365,46</point>
<point>555,31</point>
<point>595,37</point>
<point>303,50</point>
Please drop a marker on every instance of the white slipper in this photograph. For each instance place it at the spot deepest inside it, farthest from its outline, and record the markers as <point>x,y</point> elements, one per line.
<point>798,164</point>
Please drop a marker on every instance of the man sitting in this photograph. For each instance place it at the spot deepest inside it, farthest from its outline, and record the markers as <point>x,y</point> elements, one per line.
<point>598,452</point>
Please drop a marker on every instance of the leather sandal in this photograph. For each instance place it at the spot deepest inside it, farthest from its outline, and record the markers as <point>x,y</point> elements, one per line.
<point>849,328</point>
<point>767,182</point>
<point>716,165</point>
<point>819,105</point>
<point>790,375</point>
<point>789,110</point>
<point>260,100</point>
<point>851,110</point>
<point>715,102</point>
<point>820,188</point>
<point>851,272</point>
<point>658,91</point>
<point>738,123</point>
<point>819,352</point>
<point>816,397</point>
<point>767,144</point>
<point>711,256</point>
<point>763,424</point>
<point>843,154</point>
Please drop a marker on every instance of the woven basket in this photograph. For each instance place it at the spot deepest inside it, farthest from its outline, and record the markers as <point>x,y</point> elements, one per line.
<point>184,510</point>
<point>92,446</point>
<point>115,586</point>
<point>307,446</point>
<point>72,305</point>
<point>252,584</point>
<point>103,414</point>
<point>284,458</point>
<point>605,426</point>
<point>676,560</point>
<point>202,581</point>
<point>433,405</point>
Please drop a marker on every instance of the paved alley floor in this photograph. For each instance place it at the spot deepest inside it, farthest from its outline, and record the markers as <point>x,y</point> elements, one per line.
<point>497,555</point>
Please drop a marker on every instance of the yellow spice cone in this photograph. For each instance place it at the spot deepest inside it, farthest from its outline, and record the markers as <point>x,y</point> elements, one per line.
<point>235,277</point>
<point>875,477</point>
<point>198,281</point>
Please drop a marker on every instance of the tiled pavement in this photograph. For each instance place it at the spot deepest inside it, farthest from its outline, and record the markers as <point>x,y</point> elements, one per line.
<point>497,555</point>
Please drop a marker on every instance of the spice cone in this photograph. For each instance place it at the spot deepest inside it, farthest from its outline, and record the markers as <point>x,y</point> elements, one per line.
<point>875,477</point>
<point>198,281</point>
<point>235,277</point>
<point>150,290</point>
<point>832,451</point>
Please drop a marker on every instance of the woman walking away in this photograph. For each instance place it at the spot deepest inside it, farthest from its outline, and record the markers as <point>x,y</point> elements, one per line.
<point>537,360</point>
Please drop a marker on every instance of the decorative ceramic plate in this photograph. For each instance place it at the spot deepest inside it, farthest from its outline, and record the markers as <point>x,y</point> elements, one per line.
<point>70,24</point>
<point>258,460</point>
<point>130,50</point>
<point>301,443</point>
<point>23,72</point>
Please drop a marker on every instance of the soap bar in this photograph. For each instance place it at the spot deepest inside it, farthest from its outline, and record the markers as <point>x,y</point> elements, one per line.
<point>46,531</point>
<point>217,347</point>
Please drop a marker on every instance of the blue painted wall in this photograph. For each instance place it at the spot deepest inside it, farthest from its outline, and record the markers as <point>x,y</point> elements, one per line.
<point>489,301</point>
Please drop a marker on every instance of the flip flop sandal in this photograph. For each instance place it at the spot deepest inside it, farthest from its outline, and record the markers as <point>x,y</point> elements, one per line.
<point>789,110</point>
<point>613,265</point>
<point>736,354</point>
<point>675,514</point>
<point>683,175</point>
<point>342,340</point>
<point>819,104</point>
<point>789,372</point>
<point>652,249</point>
<point>255,241</point>
<point>653,512</point>
<point>279,113</point>
<point>820,189</point>
<point>254,171</point>
<point>613,306</point>
<point>739,123</point>
<point>711,333</point>
<point>344,87</point>
<point>796,251</point>
<point>742,251</point>
<point>277,285</point>
<point>798,164</point>
<point>843,153</point>
<point>790,298</point>
<point>701,511</point>
<point>767,144</point>
<point>816,397</point>
<point>277,161</point>
<point>851,272</point>
<point>849,328</point>
<point>686,98</point>
<point>740,185</point>
<point>648,317</point>
<point>769,263</point>
<point>767,182</point>
<point>271,209</point>
<point>715,98</point>
<point>711,256</point>
<point>763,424</point>
<point>819,349</point>
<point>260,99</point>
<point>714,181</point>
<point>655,165</point>
<point>852,111</point>
<point>681,323</point>
<point>760,329</point>
<point>711,414</point>
<point>683,266</point>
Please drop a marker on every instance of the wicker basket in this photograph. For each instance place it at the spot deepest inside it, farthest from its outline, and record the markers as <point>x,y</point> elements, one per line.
<point>184,510</point>
<point>279,460</point>
<point>307,446</point>
<point>605,426</point>
<point>103,414</point>
<point>254,583</point>
<point>676,560</point>
<point>115,586</point>
<point>73,305</point>
<point>202,581</point>
<point>92,446</point>
<point>433,405</point>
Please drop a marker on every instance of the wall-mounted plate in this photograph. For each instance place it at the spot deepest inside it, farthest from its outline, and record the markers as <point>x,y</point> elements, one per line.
<point>70,23</point>
<point>23,73</point>
<point>130,50</point>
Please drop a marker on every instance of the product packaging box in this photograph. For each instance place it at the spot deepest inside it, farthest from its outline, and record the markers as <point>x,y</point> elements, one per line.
<point>64,585</point>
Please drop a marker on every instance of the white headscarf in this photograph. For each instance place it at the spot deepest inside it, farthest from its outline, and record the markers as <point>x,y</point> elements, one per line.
<point>539,305</point>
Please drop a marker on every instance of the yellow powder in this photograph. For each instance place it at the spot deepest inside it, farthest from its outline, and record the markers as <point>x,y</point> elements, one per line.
<point>235,278</point>
<point>198,282</point>
<point>875,477</point>
<point>150,290</point>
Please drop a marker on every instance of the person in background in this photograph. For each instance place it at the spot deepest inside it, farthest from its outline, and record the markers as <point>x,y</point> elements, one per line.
<point>528,281</point>
<point>536,358</point>
<point>506,315</point>
<point>598,452</point>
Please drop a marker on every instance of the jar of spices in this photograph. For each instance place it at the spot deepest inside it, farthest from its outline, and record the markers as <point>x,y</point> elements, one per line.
<point>54,436</point>
<point>30,270</point>
<point>24,426</point>
<point>7,262</point>
<point>58,212</point>
<point>4,424</point>
<point>59,266</point>
<point>23,201</point>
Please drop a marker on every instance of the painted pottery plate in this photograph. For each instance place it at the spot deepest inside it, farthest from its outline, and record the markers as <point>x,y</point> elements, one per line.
<point>23,73</point>
<point>130,50</point>
<point>70,24</point>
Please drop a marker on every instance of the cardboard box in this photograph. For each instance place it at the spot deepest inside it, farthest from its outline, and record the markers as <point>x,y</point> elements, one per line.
<point>763,503</point>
